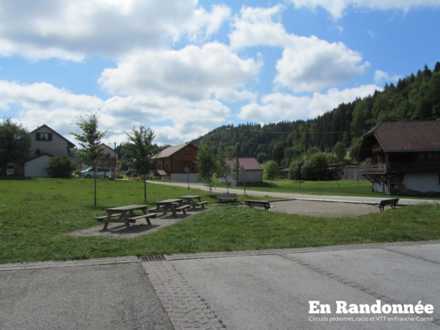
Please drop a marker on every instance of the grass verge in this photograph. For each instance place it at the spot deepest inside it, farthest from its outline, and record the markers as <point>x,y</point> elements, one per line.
<point>35,216</point>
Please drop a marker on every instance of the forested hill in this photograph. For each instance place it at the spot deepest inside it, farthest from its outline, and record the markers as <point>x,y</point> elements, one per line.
<point>416,97</point>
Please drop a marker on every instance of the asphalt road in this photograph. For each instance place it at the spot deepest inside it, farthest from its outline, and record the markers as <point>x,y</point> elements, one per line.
<point>268,289</point>
<point>273,291</point>
<point>62,296</point>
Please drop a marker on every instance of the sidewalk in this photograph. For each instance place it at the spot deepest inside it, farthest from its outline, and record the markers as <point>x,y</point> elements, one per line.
<point>306,197</point>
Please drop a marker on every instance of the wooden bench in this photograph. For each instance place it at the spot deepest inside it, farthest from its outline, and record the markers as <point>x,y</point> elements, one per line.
<point>202,204</point>
<point>147,217</point>
<point>158,210</point>
<point>183,208</point>
<point>257,203</point>
<point>102,218</point>
<point>388,202</point>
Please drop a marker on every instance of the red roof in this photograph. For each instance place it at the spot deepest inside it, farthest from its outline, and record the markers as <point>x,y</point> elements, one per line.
<point>408,136</point>
<point>249,164</point>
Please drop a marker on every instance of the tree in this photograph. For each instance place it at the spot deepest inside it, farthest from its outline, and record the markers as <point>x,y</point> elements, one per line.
<point>14,144</point>
<point>278,152</point>
<point>315,167</point>
<point>355,149</point>
<point>271,170</point>
<point>206,164</point>
<point>60,167</point>
<point>90,141</point>
<point>340,152</point>
<point>223,169</point>
<point>140,151</point>
<point>261,157</point>
<point>295,170</point>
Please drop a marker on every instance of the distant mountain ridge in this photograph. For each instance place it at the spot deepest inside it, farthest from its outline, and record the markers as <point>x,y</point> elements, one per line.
<point>416,97</point>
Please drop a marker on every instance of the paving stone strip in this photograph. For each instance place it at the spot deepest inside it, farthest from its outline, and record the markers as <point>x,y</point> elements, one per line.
<point>185,307</point>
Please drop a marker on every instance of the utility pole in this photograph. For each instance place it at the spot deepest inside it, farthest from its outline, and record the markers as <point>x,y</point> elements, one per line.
<point>237,163</point>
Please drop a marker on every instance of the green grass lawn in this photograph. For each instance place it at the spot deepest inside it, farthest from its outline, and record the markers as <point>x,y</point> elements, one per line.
<point>35,216</point>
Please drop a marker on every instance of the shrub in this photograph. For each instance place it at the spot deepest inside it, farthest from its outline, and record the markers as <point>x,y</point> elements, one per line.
<point>271,170</point>
<point>295,169</point>
<point>339,151</point>
<point>315,167</point>
<point>60,167</point>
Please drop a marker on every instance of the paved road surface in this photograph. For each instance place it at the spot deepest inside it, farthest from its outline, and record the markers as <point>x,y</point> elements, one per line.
<point>235,290</point>
<point>79,296</point>
<point>306,197</point>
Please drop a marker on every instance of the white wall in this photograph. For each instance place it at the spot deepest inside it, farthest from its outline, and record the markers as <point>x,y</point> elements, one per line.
<point>422,182</point>
<point>183,177</point>
<point>37,167</point>
<point>380,187</point>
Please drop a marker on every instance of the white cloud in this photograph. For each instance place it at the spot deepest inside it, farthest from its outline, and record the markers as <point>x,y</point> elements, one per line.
<point>256,26</point>
<point>279,106</point>
<point>382,77</point>
<point>209,71</point>
<point>337,7</point>
<point>308,64</point>
<point>173,119</point>
<point>74,29</point>
<point>312,64</point>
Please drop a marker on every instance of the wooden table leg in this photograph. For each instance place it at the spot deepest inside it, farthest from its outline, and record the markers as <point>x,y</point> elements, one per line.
<point>106,221</point>
<point>147,219</point>
<point>126,216</point>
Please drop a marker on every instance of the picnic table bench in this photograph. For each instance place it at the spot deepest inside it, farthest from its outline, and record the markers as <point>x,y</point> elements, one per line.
<point>126,214</point>
<point>258,203</point>
<point>388,202</point>
<point>202,204</point>
<point>173,205</point>
<point>194,200</point>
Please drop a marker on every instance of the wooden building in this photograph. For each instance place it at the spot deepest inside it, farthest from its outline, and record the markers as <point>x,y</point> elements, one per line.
<point>177,163</point>
<point>250,171</point>
<point>403,157</point>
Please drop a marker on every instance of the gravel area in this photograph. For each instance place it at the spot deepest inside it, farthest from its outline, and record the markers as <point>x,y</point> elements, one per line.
<point>323,209</point>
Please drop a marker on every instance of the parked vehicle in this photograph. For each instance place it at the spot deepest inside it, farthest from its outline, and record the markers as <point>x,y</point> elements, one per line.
<point>100,173</point>
<point>10,170</point>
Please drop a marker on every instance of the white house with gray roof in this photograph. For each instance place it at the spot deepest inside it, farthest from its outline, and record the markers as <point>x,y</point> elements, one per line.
<point>45,143</point>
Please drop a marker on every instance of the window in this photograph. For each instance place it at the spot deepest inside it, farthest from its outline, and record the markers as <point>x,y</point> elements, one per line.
<point>43,136</point>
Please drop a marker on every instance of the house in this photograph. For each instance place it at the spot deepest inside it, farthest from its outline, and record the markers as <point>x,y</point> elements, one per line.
<point>45,143</point>
<point>403,157</point>
<point>250,171</point>
<point>108,159</point>
<point>177,163</point>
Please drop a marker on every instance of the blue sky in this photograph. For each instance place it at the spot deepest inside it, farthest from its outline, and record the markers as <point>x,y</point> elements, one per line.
<point>183,68</point>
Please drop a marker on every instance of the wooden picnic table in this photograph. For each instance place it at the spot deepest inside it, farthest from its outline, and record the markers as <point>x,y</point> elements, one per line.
<point>123,214</point>
<point>169,205</point>
<point>192,199</point>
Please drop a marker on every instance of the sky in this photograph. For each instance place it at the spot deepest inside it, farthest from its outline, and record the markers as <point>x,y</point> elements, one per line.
<point>185,67</point>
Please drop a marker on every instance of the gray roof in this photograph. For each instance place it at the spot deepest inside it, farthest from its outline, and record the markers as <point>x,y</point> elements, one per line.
<point>71,144</point>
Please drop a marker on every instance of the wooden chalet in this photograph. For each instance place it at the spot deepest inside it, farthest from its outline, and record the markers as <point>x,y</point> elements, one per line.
<point>403,157</point>
<point>177,163</point>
